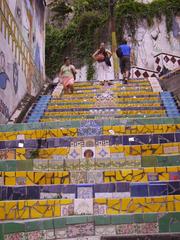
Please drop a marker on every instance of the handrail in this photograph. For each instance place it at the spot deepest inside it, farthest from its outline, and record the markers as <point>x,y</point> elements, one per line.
<point>172,55</point>
<point>149,70</point>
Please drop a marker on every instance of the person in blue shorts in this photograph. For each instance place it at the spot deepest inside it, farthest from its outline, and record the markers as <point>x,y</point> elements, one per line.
<point>124,54</point>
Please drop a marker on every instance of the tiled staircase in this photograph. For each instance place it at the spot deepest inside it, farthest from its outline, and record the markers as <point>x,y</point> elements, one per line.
<point>102,162</point>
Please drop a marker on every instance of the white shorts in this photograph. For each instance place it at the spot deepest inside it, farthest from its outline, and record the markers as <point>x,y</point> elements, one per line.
<point>103,72</point>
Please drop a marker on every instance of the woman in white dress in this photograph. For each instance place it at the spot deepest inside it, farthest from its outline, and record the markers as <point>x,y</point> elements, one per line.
<point>102,56</point>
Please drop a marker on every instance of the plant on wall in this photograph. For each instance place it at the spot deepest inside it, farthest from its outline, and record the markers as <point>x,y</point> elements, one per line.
<point>90,23</point>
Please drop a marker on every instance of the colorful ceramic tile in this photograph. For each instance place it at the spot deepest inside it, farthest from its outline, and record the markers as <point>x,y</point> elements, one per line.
<point>94,177</point>
<point>100,209</point>
<point>78,177</point>
<point>15,236</point>
<point>83,206</point>
<point>126,229</point>
<point>80,230</point>
<point>67,210</point>
<point>84,192</point>
<point>105,230</point>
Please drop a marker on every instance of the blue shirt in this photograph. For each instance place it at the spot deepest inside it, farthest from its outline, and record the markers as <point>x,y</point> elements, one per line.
<point>126,50</point>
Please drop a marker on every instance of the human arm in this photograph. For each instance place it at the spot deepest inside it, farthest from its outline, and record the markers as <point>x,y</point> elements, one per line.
<point>109,53</point>
<point>95,54</point>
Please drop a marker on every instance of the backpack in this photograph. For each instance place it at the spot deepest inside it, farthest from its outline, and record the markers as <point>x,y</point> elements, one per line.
<point>119,52</point>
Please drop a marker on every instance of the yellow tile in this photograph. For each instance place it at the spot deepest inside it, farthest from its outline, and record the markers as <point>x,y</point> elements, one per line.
<point>138,175</point>
<point>125,203</point>
<point>20,174</point>
<point>160,169</point>
<point>177,206</point>
<point>66,201</point>
<point>172,169</point>
<point>170,206</point>
<point>119,176</point>
<point>39,176</point>
<point>149,170</point>
<point>34,213</point>
<point>111,211</point>
<point>10,181</point>
<point>100,200</point>
<point>113,203</point>
<point>20,154</point>
<point>177,197</point>
<point>164,177</point>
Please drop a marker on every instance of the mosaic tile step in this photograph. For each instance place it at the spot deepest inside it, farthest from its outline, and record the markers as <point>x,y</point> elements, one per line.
<point>123,99</point>
<point>32,209</point>
<point>85,165</point>
<point>116,106</point>
<point>99,176</point>
<point>98,140</point>
<point>90,128</point>
<point>129,123</point>
<point>94,103</point>
<point>99,117</point>
<point>86,191</point>
<point>129,95</point>
<point>128,107</point>
<point>79,227</point>
<point>90,152</point>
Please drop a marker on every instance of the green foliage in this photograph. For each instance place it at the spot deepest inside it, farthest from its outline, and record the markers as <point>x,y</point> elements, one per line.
<point>61,8</point>
<point>78,39</point>
<point>83,34</point>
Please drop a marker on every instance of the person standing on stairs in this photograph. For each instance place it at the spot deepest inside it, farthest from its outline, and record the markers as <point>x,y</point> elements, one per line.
<point>102,57</point>
<point>67,76</point>
<point>124,54</point>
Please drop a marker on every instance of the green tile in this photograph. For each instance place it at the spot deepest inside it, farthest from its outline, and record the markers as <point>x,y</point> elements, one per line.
<point>13,227</point>
<point>121,219</point>
<point>48,224</point>
<point>149,162</point>
<point>164,222</point>
<point>102,220</point>
<point>138,218</point>
<point>76,220</point>
<point>175,227</point>
<point>34,226</point>
<point>90,218</point>
<point>59,222</point>
<point>3,166</point>
<point>150,218</point>
<point>25,165</point>
<point>1,231</point>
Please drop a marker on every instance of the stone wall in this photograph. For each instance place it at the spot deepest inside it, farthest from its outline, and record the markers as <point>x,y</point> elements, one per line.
<point>22,62</point>
<point>149,42</point>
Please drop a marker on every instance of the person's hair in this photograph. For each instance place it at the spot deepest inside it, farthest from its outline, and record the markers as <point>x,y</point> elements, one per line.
<point>124,41</point>
<point>66,58</point>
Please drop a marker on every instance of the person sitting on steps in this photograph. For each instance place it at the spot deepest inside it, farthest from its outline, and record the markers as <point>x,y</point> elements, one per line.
<point>67,76</point>
<point>102,56</point>
<point>124,54</point>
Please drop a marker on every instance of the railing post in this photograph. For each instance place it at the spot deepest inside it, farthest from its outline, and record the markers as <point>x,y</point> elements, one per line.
<point>114,41</point>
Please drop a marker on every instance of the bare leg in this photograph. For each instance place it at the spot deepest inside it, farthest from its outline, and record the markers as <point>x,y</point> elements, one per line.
<point>71,87</point>
<point>65,90</point>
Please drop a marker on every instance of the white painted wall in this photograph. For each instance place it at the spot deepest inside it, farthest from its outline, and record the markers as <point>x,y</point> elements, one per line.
<point>151,41</point>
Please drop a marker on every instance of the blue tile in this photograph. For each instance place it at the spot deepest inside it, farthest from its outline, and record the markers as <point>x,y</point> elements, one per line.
<point>158,189</point>
<point>174,188</point>
<point>139,190</point>
<point>122,186</point>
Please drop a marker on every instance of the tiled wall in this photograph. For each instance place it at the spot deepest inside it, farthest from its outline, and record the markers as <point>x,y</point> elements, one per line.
<point>91,227</point>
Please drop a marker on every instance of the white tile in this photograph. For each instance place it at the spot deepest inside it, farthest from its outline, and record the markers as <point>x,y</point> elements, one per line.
<point>83,206</point>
